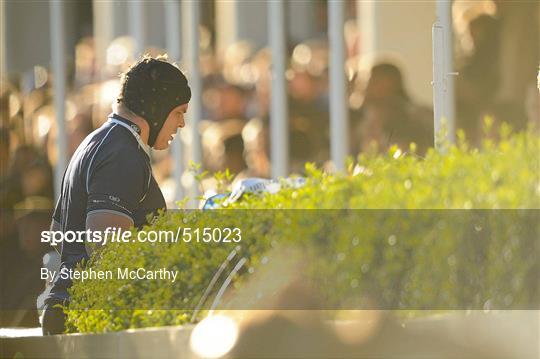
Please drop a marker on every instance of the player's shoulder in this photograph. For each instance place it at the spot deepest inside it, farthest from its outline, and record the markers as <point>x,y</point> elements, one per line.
<point>121,152</point>
<point>119,141</point>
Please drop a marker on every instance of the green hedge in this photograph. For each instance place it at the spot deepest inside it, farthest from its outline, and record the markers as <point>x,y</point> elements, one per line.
<point>414,260</point>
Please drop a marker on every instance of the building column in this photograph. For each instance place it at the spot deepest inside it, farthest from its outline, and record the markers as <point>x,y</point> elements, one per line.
<point>401,32</point>
<point>241,20</point>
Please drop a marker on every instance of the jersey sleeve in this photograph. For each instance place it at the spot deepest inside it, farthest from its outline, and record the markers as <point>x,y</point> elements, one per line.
<point>116,183</point>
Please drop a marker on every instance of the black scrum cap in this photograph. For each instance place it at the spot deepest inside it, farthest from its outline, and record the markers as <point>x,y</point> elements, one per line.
<point>152,88</point>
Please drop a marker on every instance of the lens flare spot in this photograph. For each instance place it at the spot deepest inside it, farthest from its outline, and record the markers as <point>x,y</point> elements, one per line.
<point>214,336</point>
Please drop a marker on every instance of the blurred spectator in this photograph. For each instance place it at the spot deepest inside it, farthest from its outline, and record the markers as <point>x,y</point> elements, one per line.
<point>80,126</point>
<point>33,215</point>
<point>227,101</point>
<point>223,145</point>
<point>4,152</point>
<point>227,105</point>
<point>26,200</point>
<point>256,142</point>
<point>308,120</point>
<point>388,116</point>
<point>85,61</point>
<point>519,51</point>
<point>234,154</point>
<point>8,236</point>
<point>478,82</point>
<point>308,109</point>
<point>261,64</point>
<point>11,190</point>
<point>24,284</point>
<point>36,180</point>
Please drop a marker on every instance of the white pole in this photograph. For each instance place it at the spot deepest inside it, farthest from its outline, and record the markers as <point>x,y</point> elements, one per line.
<point>58,57</point>
<point>279,132</point>
<point>191,17</point>
<point>443,84</point>
<point>137,25</point>
<point>103,32</point>
<point>173,32</point>
<point>338,95</point>
<point>438,78</point>
<point>444,8</point>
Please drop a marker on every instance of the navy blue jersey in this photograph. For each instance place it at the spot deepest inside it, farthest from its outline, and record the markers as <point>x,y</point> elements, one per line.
<point>109,172</point>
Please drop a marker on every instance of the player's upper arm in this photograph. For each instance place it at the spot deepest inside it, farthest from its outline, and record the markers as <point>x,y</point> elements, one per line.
<point>100,221</point>
<point>116,183</point>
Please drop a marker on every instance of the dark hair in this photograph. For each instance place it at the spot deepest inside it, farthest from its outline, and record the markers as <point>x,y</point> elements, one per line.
<point>392,72</point>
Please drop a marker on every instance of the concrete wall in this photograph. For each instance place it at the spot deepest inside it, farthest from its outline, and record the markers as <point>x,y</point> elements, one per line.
<point>26,38</point>
<point>27,34</point>
<point>478,334</point>
<point>170,342</point>
<point>238,20</point>
<point>401,30</point>
<point>122,24</point>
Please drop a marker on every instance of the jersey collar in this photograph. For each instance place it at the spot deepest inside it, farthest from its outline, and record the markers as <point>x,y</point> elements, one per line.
<point>131,127</point>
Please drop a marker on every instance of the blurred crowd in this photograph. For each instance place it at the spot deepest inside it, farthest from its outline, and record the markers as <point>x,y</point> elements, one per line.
<point>235,126</point>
